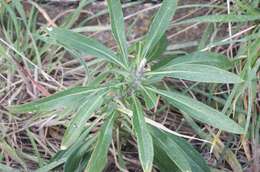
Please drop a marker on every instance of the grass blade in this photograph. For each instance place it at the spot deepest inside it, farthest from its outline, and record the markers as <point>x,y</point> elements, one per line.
<point>6,168</point>
<point>72,18</point>
<point>144,139</point>
<point>159,25</point>
<point>118,28</point>
<point>200,111</point>
<point>98,157</point>
<point>83,45</point>
<point>10,151</point>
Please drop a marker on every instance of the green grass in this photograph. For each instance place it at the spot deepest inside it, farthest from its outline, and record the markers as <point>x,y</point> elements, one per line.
<point>73,103</point>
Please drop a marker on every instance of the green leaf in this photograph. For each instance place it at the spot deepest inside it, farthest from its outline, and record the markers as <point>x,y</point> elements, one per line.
<point>207,58</point>
<point>159,25</point>
<point>163,61</point>
<point>98,157</point>
<point>58,100</point>
<point>206,36</point>
<point>174,152</point>
<point>79,157</point>
<point>144,139</point>
<point>72,18</point>
<point>162,160</point>
<point>158,49</point>
<point>221,18</point>
<point>51,166</point>
<point>85,140</point>
<point>118,28</point>
<point>200,111</point>
<point>179,151</point>
<point>69,156</point>
<point>83,45</point>
<point>198,73</point>
<point>77,124</point>
<point>149,97</point>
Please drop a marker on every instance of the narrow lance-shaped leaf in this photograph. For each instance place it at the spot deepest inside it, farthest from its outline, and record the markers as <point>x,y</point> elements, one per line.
<point>118,27</point>
<point>179,151</point>
<point>158,49</point>
<point>162,161</point>
<point>197,72</point>
<point>98,157</point>
<point>149,98</point>
<point>174,152</point>
<point>85,140</point>
<point>221,18</point>
<point>159,25</point>
<point>52,165</point>
<point>58,100</point>
<point>77,124</point>
<point>207,58</point>
<point>144,139</point>
<point>83,45</point>
<point>79,156</point>
<point>200,111</point>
